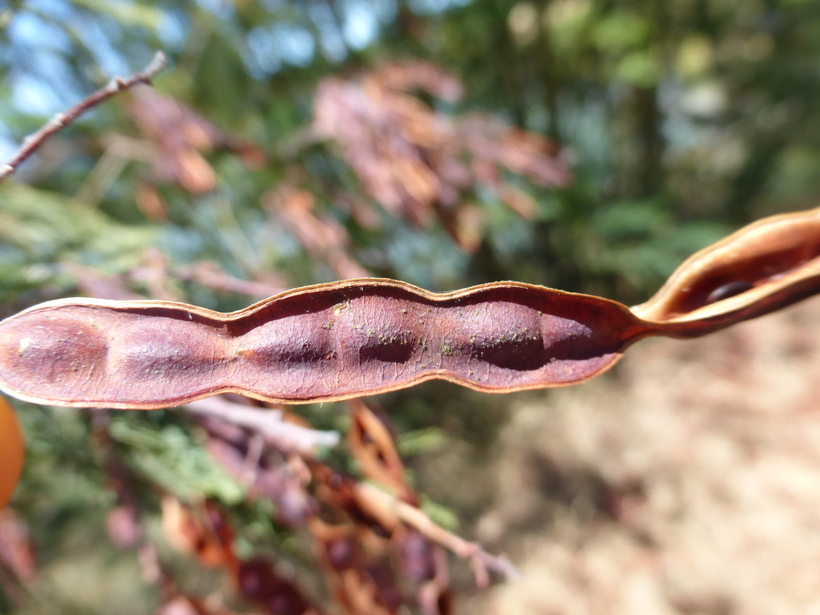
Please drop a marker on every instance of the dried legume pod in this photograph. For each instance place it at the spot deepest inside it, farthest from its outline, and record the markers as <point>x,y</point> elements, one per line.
<point>325,342</point>
<point>361,337</point>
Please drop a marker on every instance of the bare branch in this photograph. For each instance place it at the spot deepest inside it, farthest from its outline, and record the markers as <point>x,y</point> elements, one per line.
<point>268,423</point>
<point>33,142</point>
<point>480,560</point>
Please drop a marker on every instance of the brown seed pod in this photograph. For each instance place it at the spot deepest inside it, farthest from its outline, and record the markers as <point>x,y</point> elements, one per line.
<point>361,337</point>
<point>761,268</point>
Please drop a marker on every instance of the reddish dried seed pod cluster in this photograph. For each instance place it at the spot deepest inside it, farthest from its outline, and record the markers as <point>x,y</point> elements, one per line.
<point>357,337</point>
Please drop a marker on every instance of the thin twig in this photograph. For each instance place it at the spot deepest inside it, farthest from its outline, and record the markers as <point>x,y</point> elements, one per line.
<point>480,560</point>
<point>209,274</point>
<point>268,423</point>
<point>33,142</point>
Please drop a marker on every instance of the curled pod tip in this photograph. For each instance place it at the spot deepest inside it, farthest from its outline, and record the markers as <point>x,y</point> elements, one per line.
<point>760,268</point>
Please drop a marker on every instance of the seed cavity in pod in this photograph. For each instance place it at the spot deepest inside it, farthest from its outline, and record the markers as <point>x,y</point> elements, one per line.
<point>391,347</point>
<point>517,351</point>
<point>381,329</point>
<point>165,347</point>
<point>726,291</point>
<point>293,340</point>
<point>504,334</point>
<point>57,352</point>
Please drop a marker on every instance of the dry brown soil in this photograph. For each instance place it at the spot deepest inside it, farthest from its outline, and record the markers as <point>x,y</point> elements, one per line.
<point>686,481</point>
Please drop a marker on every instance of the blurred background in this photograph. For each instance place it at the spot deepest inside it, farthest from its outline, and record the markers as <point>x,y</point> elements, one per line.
<point>586,145</point>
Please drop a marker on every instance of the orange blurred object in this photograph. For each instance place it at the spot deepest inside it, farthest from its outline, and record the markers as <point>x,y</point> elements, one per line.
<point>12,452</point>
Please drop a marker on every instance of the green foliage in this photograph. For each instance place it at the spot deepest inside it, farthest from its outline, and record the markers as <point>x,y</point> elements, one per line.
<point>41,230</point>
<point>45,226</point>
<point>171,458</point>
<point>573,68</point>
